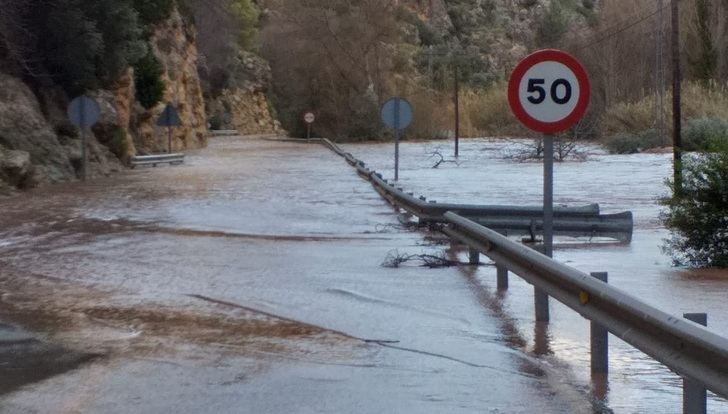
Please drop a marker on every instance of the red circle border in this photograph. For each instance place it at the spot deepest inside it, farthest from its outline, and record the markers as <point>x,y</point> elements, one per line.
<point>584,89</point>
<point>303,117</point>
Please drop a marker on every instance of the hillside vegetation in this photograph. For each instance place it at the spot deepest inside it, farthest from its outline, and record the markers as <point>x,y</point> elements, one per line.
<point>344,58</point>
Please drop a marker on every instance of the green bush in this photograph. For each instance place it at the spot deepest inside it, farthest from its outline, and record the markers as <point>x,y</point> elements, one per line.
<point>149,84</point>
<point>630,143</point>
<point>215,122</point>
<point>698,218</point>
<point>702,133</point>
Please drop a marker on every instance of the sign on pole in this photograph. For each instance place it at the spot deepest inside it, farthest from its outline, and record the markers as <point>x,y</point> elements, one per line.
<point>548,92</point>
<point>169,118</point>
<point>309,117</point>
<point>83,112</point>
<point>396,114</point>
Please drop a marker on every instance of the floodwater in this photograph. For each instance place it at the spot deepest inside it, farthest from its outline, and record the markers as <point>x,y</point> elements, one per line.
<point>250,280</point>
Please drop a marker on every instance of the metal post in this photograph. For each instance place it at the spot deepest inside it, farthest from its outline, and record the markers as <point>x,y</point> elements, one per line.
<point>396,139</point>
<point>84,157</point>
<point>169,138</point>
<point>502,272</point>
<point>457,111</point>
<point>695,397</point>
<point>541,299</point>
<point>308,131</point>
<point>548,195</point>
<point>599,340</point>
<point>474,256</point>
<point>676,110</point>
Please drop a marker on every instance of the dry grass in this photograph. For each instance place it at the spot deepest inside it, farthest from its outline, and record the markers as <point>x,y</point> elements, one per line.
<point>488,113</point>
<point>698,101</point>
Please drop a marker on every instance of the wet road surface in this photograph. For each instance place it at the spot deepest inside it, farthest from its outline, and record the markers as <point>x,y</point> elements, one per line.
<point>250,280</point>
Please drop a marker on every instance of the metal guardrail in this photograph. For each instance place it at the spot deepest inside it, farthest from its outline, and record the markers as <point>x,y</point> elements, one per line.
<point>683,346</point>
<point>583,221</point>
<point>153,160</point>
<point>224,132</point>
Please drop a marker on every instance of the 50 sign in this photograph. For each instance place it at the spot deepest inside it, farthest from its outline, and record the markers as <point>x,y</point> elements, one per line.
<point>549,91</point>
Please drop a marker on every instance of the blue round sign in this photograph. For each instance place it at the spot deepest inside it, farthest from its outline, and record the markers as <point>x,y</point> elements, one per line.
<point>397,113</point>
<point>84,112</point>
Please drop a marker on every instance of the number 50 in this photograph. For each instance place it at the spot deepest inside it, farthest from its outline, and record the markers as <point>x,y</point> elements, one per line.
<point>536,86</point>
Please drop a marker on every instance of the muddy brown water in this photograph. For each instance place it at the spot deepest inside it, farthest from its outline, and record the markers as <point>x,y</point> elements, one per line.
<point>250,280</point>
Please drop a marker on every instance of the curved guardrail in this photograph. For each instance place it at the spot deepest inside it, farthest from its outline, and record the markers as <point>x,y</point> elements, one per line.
<point>684,347</point>
<point>569,221</point>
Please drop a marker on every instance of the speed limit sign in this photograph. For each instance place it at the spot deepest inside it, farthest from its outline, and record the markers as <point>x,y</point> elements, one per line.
<point>549,91</point>
<point>309,117</point>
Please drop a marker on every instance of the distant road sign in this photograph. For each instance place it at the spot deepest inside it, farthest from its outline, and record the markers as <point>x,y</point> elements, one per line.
<point>397,113</point>
<point>169,117</point>
<point>309,117</point>
<point>84,112</point>
<point>549,91</point>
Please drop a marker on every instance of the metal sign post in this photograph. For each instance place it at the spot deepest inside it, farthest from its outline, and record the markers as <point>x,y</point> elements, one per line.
<point>84,113</point>
<point>309,118</point>
<point>397,114</point>
<point>169,118</point>
<point>548,92</point>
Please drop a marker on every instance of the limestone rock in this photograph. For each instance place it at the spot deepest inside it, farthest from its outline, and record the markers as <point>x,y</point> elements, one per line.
<point>23,127</point>
<point>16,170</point>
<point>174,44</point>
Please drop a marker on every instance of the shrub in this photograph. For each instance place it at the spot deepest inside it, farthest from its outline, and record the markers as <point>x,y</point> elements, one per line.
<point>630,143</point>
<point>489,111</point>
<point>701,133</point>
<point>698,217</point>
<point>149,84</point>
<point>152,12</point>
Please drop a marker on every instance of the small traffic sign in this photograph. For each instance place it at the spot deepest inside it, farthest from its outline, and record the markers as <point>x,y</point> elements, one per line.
<point>169,117</point>
<point>84,112</point>
<point>309,117</point>
<point>549,91</point>
<point>397,113</point>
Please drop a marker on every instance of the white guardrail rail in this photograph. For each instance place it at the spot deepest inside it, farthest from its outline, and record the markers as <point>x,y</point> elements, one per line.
<point>685,347</point>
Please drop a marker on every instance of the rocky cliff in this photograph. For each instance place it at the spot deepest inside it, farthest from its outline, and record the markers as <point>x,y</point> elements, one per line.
<point>174,44</point>
<point>243,105</point>
<point>38,145</point>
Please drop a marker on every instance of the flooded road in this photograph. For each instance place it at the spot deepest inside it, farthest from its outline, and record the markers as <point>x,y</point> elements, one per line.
<point>484,175</point>
<point>250,280</point>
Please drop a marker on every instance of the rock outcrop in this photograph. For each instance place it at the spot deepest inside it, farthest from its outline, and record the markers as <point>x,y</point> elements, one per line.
<point>243,104</point>
<point>174,44</point>
<point>34,149</point>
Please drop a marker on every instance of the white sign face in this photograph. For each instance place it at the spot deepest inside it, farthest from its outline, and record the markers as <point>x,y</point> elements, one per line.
<point>309,118</point>
<point>549,92</point>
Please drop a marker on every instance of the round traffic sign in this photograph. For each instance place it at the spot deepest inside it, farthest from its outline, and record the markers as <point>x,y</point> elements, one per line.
<point>309,117</point>
<point>84,112</point>
<point>549,91</point>
<point>397,113</point>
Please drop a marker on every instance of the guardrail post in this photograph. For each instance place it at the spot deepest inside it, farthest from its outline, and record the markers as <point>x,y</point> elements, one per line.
<point>599,340</point>
<point>474,257</point>
<point>695,398</point>
<point>502,276</point>
<point>541,305</point>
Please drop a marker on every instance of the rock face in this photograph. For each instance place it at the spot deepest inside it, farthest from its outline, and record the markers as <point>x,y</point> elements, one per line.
<point>243,105</point>
<point>38,144</point>
<point>35,150</point>
<point>174,44</point>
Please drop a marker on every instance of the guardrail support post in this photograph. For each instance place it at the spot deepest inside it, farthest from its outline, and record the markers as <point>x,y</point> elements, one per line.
<point>474,257</point>
<point>502,276</point>
<point>541,304</point>
<point>695,398</point>
<point>599,340</point>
